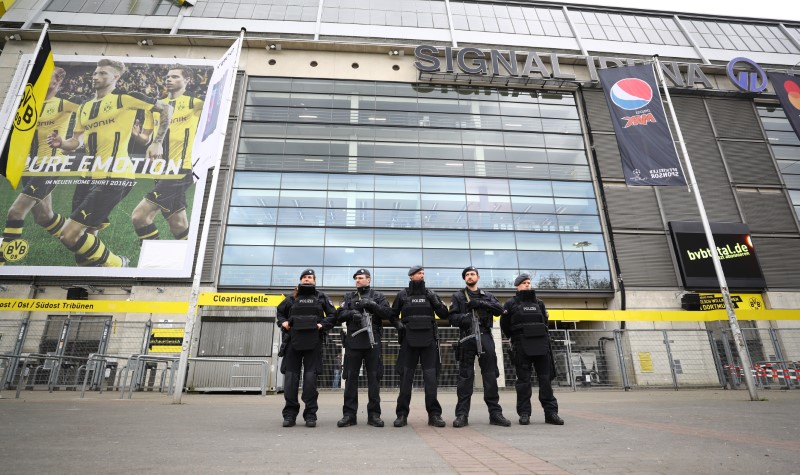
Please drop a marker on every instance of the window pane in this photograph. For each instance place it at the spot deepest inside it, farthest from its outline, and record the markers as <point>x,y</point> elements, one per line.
<point>445,239</point>
<point>398,238</point>
<point>490,240</point>
<point>248,235</point>
<point>252,215</point>
<point>491,259</point>
<point>299,236</point>
<point>348,256</point>
<point>300,256</point>
<point>253,255</point>
<point>348,237</point>
<point>397,257</point>
<point>256,276</point>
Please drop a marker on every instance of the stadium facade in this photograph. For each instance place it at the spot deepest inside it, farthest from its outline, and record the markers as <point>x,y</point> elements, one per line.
<point>384,134</point>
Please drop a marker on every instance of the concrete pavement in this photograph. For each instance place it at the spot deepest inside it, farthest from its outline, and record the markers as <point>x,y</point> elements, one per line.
<point>640,431</point>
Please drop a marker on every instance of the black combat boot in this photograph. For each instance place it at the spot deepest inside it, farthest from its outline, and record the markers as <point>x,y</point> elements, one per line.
<point>400,421</point>
<point>375,421</point>
<point>497,419</point>
<point>347,421</point>
<point>288,421</point>
<point>553,418</point>
<point>436,421</point>
<point>524,419</point>
<point>461,421</point>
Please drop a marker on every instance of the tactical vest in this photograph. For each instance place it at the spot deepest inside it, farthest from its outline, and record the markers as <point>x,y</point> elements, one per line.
<point>304,316</point>
<point>418,318</point>
<point>528,327</point>
<point>360,341</point>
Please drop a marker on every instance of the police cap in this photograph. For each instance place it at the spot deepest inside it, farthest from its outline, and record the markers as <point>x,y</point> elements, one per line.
<point>361,272</point>
<point>467,269</point>
<point>521,278</point>
<point>308,272</point>
<point>414,269</point>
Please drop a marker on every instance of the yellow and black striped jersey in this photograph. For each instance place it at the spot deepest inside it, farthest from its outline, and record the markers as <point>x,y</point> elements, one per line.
<point>107,123</point>
<point>180,136</point>
<point>56,116</point>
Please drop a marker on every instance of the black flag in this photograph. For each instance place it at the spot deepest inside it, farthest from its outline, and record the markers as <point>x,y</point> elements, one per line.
<point>645,143</point>
<point>787,88</point>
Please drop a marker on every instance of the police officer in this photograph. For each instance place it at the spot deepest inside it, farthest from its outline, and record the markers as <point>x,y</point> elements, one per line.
<point>467,305</point>
<point>304,316</point>
<point>524,321</point>
<point>364,302</point>
<point>418,342</point>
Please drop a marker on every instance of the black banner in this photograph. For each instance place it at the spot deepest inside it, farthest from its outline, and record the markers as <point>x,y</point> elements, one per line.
<point>645,143</point>
<point>787,88</point>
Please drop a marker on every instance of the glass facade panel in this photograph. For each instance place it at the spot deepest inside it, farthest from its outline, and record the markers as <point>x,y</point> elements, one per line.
<point>388,194</point>
<point>779,131</point>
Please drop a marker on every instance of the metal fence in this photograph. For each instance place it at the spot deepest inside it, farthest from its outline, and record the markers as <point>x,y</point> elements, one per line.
<point>98,353</point>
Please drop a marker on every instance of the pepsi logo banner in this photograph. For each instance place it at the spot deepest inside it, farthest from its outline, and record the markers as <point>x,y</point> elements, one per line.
<point>645,142</point>
<point>787,88</point>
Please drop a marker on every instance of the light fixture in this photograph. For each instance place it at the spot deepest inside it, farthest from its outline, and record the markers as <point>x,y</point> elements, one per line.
<point>95,289</point>
<point>395,52</point>
<point>145,42</point>
<point>3,288</point>
<point>14,37</point>
<point>274,47</point>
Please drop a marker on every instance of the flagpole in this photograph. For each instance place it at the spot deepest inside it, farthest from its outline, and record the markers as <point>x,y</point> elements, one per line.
<point>28,70</point>
<point>726,296</point>
<point>191,316</point>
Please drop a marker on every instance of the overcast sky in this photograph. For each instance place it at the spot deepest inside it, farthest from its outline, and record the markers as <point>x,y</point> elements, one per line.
<point>768,9</point>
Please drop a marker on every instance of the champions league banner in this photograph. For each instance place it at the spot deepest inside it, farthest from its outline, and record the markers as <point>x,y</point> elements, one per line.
<point>645,143</point>
<point>787,88</point>
<point>108,189</point>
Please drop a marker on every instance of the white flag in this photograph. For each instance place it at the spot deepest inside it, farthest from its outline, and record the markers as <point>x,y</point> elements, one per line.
<point>210,136</point>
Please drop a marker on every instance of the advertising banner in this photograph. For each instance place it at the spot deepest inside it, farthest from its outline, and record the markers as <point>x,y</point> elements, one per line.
<point>787,88</point>
<point>736,252</point>
<point>645,142</point>
<point>108,188</point>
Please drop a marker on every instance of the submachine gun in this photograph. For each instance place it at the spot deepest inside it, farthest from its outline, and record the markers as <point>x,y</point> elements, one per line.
<point>476,329</point>
<point>366,326</point>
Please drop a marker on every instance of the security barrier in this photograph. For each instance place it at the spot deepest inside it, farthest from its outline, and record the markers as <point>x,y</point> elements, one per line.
<point>100,354</point>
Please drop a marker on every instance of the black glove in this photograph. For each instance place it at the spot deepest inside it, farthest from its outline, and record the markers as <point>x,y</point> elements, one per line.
<point>466,323</point>
<point>370,305</point>
<point>345,316</point>
<point>358,305</point>
<point>401,327</point>
<point>474,304</point>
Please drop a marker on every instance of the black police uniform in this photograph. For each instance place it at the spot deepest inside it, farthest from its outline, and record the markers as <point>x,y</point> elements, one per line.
<point>358,349</point>
<point>304,311</point>
<point>485,306</point>
<point>524,322</point>
<point>417,327</point>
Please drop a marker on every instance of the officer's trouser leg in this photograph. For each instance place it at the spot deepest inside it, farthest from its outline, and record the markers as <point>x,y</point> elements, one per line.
<point>430,357</point>
<point>523,384</point>
<point>546,397</point>
<point>408,363</point>
<point>489,373</point>
<point>351,369</point>
<point>312,363</point>
<point>291,382</point>
<point>466,378</point>
<point>372,362</point>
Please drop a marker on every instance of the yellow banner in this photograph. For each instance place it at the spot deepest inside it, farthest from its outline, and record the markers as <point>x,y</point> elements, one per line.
<point>239,299</point>
<point>92,306</point>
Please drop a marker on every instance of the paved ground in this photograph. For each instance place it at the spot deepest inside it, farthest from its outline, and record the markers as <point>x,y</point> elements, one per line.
<point>648,432</point>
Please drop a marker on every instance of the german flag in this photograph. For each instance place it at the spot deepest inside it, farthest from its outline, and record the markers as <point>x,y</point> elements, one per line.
<point>18,145</point>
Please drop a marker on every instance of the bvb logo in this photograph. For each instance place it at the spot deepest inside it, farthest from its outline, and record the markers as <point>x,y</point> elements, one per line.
<point>16,250</point>
<point>28,112</point>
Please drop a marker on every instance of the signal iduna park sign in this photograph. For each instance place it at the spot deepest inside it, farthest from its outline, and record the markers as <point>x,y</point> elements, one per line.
<point>496,63</point>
